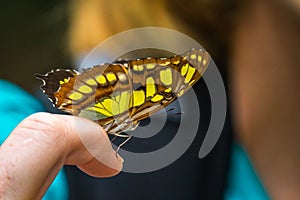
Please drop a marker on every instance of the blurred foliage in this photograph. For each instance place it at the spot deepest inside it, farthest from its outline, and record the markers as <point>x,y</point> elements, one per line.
<point>32,39</point>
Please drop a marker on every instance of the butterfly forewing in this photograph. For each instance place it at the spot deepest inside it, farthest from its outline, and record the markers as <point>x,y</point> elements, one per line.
<point>119,95</point>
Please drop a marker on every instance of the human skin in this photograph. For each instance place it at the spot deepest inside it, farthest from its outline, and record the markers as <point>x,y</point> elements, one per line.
<point>265,94</point>
<point>39,146</point>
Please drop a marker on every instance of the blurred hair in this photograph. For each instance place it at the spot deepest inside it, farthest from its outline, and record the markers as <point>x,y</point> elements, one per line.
<point>92,21</point>
<point>210,22</point>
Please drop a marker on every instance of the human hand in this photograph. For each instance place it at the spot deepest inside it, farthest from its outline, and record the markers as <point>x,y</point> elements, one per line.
<point>40,145</point>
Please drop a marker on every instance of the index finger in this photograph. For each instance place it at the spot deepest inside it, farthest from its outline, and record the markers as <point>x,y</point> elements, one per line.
<point>40,145</point>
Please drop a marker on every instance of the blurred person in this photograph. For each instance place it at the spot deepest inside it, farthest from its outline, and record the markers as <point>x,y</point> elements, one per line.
<point>189,177</point>
<point>258,43</point>
<point>264,68</point>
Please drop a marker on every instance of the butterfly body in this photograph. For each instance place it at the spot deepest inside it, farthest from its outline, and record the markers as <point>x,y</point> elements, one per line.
<point>120,94</point>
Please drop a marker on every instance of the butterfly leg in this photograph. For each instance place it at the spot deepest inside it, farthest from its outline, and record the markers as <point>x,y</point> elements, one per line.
<point>124,142</point>
<point>113,139</point>
<point>122,135</point>
<point>119,135</point>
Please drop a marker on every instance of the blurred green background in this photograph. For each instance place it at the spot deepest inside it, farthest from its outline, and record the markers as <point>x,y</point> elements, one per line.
<point>33,40</point>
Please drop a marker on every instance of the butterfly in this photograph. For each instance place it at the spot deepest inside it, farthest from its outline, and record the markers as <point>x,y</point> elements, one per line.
<point>119,95</point>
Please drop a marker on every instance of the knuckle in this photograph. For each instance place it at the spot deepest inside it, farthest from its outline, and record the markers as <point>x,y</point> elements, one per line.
<point>45,125</point>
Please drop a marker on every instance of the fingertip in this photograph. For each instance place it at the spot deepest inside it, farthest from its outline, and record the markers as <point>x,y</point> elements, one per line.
<point>98,169</point>
<point>93,151</point>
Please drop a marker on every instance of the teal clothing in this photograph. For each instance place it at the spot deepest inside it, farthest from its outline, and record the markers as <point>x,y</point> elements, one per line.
<point>15,105</point>
<point>243,182</point>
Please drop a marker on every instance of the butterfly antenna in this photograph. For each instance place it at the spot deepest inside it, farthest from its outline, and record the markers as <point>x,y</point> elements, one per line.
<point>161,114</point>
<point>170,109</point>
<point>180,113</point>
